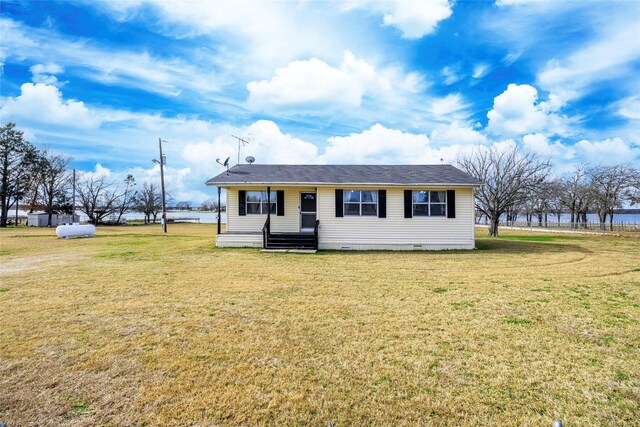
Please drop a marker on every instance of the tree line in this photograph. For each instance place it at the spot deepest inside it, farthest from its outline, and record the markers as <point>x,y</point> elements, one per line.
<point>518,183</point>
<point>37,179</point>
<point>514,183</point>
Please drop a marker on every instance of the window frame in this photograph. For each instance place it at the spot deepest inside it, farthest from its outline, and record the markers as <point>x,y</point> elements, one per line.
<point>429,203</point>
<point>263,195</point>
<point>360,203</point>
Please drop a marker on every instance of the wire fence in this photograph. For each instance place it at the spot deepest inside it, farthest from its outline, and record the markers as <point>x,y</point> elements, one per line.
<point>576,227</point>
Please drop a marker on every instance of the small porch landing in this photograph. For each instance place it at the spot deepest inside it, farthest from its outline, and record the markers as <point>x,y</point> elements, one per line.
<point>291,251</point>
<point>273,241</point>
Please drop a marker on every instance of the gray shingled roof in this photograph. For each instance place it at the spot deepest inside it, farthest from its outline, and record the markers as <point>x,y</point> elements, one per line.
<point>343,174</point>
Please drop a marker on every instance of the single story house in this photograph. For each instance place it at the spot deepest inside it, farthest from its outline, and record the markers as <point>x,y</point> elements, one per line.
<point>358,207</point>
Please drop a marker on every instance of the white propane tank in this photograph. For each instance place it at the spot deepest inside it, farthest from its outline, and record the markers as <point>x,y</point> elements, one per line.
<point>75,230</point>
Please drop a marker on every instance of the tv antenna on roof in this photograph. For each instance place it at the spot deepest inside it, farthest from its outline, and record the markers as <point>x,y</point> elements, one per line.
<point>241,143</point>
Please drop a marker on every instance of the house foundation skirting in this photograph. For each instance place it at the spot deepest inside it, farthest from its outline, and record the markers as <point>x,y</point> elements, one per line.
<point>239,240</point>
<point>396,246</point>
<point>255,241</point>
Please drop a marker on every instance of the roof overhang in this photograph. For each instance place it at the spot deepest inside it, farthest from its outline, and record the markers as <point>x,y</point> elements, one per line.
<point>339,184</point>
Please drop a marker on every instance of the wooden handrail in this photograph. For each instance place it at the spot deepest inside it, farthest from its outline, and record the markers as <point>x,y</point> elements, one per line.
<point>315,232</point>
<point>266,232</point>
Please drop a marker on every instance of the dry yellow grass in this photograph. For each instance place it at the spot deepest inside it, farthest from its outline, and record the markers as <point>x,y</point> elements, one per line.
<point>133,327</point>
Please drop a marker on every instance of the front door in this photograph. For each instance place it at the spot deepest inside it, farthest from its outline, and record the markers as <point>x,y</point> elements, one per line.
<point>307,212</point>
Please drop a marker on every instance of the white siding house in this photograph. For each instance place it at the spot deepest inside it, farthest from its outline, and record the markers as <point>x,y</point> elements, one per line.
<point>361,207</point>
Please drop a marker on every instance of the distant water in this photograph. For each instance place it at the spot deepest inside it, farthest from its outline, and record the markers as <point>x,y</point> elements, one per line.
<point>205,217</point>
<point>565,218</point>
<point>212,217</point>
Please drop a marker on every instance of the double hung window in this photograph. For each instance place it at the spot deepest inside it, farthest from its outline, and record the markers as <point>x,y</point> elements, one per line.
<point>429,203</point>
<point>257,202</point>
<point>360,202</point>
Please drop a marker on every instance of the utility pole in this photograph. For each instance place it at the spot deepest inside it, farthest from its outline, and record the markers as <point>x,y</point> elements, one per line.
<point>17,197</point>
<point>164,203</point>
<point>73,199</point>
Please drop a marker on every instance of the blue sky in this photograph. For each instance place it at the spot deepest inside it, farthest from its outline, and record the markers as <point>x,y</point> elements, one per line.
<point>320,82</point>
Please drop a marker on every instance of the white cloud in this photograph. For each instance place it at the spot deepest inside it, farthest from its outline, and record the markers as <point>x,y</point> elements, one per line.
<point>49,68</point>
<point>480,70</point>
<point>629,107</point>
<point>139,70</point>
<point>455,133</point>
<point>257,35</point>
<point>517,112</point>
<point>519,2</point>
<point>44,73</point>
<point>41,103</point>
<point>601,45</point>
<point>99,172</point>
<point>539,144</point>
<point>558,99</point>
<point>608,151</point>
<point>376,145</point>
<point>610,56</point>
<point>451,74</point>
<point>450,108</point>
<point>267,144</point>
<point>381,145</point>
<point>314,83</point>
<point>417,18</point>
<point>511,57</point>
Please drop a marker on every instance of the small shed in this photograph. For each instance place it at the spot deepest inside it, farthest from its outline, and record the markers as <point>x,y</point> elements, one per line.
<point>40,219</point>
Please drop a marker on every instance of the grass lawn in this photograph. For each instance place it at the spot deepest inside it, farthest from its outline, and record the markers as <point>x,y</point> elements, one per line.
<point>136,328</point>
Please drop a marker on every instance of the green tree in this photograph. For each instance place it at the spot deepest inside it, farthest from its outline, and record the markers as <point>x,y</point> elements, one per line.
<point>15,156</point>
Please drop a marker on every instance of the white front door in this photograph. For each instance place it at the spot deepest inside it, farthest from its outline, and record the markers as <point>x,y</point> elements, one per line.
<point>307,212</point>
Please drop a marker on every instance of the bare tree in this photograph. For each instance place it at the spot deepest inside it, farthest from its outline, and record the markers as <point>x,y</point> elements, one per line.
<point>546,199</point>
<point>149,201</point>
<point>507,177</point>
<point>98,197</point>
<point>15,155</point>
<point>633,192</point>
<point>556,197</point>
<point>610,185</point>
<point>210,205</point>
<point>55,182</point>
<point>127,199</point>
<point>184,205</point>
<point>577,194</point>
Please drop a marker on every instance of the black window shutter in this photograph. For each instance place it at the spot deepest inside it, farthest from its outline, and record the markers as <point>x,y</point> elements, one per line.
<point>451,203</point>
<point>339,205</point>
<point>408,204</point>
<point>382,203</point>
<point>280,203</point>
<point>242,202</point>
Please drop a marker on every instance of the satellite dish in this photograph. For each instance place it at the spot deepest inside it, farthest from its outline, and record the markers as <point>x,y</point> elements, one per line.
<point>225,164</point>
<point>250,159</point>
